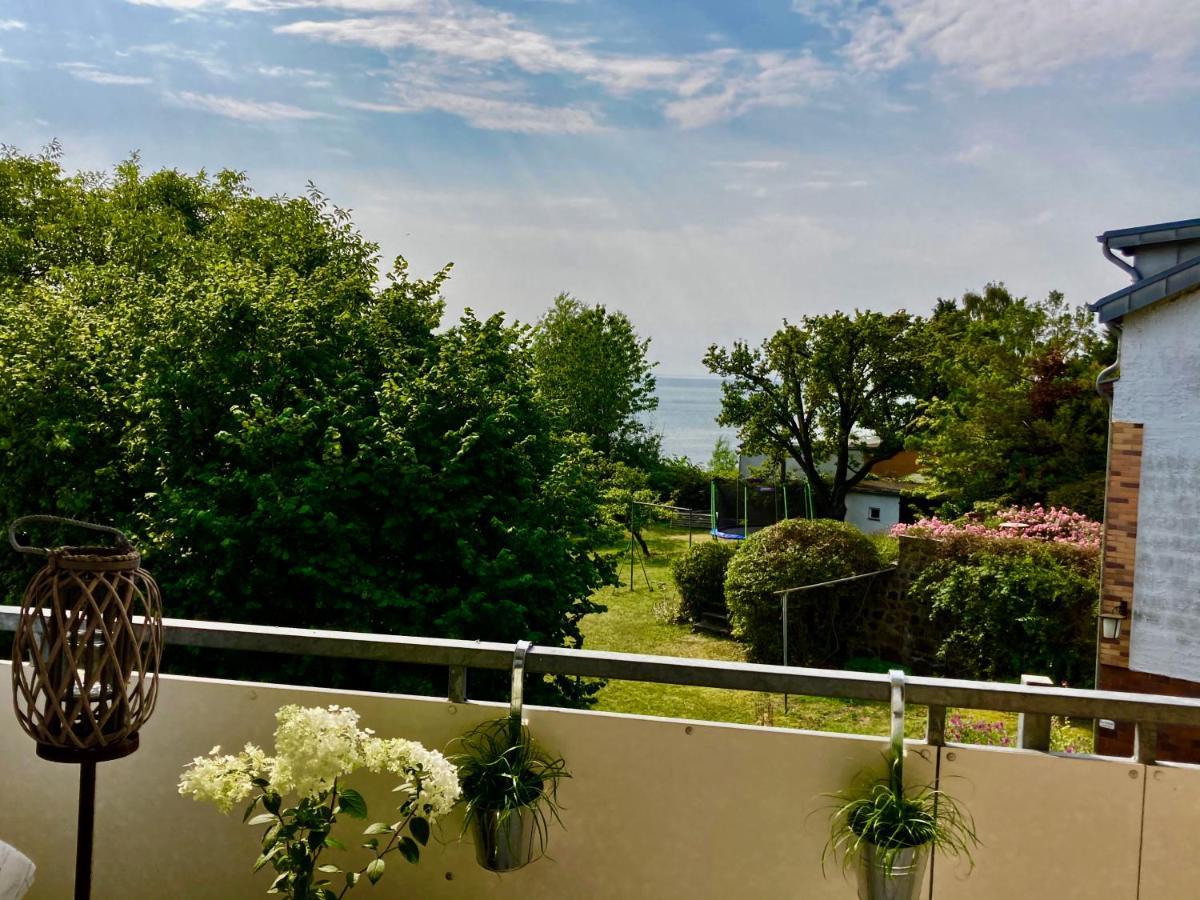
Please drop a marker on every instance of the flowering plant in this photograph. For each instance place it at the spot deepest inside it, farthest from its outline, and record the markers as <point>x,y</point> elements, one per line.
<point>1056,524</point>
<point>314,749</point>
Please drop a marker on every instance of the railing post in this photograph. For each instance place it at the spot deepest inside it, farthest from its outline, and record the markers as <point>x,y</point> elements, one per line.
<point>1146,743</point>
<point>458,684</point>
<point>1033,729</point>
<point>935,727</point>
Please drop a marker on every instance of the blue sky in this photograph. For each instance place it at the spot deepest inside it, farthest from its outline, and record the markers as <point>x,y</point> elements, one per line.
<point>709,167</point>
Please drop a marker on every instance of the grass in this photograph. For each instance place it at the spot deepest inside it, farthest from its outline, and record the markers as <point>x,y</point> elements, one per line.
<point>638,621</point>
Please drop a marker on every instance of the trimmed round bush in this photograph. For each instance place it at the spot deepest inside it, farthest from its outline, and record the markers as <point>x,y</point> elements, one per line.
<point>700,576</point>
<point>794,553</point>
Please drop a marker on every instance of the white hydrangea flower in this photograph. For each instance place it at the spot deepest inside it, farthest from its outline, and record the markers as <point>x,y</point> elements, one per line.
<point>225,780</point>
<point>313,747</point>
<point>430,780</point>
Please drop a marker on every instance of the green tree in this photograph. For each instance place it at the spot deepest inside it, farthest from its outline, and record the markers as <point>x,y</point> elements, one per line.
<point>836,393</point>
<point>592,368</point>
<point>1014,415</point>
<point>724,461</point>
<point>218,374</point>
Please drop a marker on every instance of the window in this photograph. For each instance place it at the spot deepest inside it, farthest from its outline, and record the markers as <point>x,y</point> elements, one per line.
<point>873,513</point>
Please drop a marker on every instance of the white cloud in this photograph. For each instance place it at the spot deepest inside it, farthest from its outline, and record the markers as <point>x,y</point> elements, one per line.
<point>753,165</point>
<point>12,25</point>
<point>703,88</point>
<point>89,72</point>
<point>243,110</point>
<point>285,72</point>
<point>490,113</point>
<point>1019,42</point>
<point>760,80</point>
<point>206,60</point>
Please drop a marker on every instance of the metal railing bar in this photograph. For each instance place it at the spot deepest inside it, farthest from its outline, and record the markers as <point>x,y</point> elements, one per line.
<point>922,691</point>
<point>821,584</point>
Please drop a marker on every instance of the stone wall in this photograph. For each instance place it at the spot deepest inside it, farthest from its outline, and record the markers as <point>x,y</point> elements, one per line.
<point>896,628</point>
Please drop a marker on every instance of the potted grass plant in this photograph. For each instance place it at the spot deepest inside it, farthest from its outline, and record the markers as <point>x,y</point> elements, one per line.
<point>887,832</point>
<point>510,788</point>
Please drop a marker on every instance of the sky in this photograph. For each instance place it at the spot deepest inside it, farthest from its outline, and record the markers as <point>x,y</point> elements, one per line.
<point>708,167</point>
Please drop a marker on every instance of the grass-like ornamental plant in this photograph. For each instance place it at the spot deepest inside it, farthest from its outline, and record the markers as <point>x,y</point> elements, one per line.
<point>510,787</point>
<point>301,794</point>
<point>887,831</point>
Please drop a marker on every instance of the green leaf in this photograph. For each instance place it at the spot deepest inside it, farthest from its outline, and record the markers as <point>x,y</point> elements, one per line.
<point>378,828</point>
<point>375,870</point>
<point>250,809</point>
<point>420,830</point>
<point>353,804</point>
<point>334,843</point>
<point>409,850</point>
<point>351,879</point>
<point>272,803</point>
<point>328,869</point>
<point>262,819</point>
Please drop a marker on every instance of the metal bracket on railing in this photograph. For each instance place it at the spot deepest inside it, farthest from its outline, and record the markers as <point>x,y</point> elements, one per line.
<point>896,677</point>
<point>517,702</point>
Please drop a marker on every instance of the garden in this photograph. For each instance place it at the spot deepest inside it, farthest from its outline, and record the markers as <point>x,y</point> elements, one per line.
<point>996,605</point>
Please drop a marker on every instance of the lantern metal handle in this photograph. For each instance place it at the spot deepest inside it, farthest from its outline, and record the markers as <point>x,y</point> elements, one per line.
<point>57,520</point>
<point>516,702</point>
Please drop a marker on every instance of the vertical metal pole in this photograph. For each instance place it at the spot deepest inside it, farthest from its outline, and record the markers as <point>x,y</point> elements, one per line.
<point>86,830</point>
<point>631,547</point>
<point>457,692</point>
<point>786,598</point>
<point>896,676</point>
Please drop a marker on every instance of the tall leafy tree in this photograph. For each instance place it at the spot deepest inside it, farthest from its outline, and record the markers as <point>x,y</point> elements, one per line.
<point>218,374</point>
<point>1014,415</point>
<point>593,369</point>
<point>836,393</point>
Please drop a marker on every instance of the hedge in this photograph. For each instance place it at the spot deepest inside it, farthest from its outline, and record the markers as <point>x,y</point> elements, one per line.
<point>700,576</point>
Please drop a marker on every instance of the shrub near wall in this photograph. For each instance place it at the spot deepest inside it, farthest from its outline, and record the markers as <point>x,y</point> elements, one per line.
<point>790,554</point>
<point>700,576</point>
<point>1009,609</point>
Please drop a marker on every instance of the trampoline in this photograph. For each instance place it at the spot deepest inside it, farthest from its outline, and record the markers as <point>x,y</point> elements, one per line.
<point>740,507</point>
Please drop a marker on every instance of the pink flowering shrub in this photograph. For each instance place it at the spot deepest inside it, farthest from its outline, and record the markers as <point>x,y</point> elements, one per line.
<point>1055,524</point>
<point>960,730</point>
<point>997,733</point>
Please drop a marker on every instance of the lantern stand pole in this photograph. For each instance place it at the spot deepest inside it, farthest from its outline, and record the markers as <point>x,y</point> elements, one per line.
<point>85,833</point>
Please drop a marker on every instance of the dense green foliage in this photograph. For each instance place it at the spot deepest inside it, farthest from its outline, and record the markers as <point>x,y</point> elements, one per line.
<point>1012,607</point>
<point>700,577</point>
<point>813,390</point>
<point>1085,496</point>
<point>1014,414</point>
<point>219,374</point>
<point>790,554</point>
<point>592,370</point>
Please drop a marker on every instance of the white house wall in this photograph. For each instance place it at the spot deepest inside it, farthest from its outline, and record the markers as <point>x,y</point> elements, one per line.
<point>858,509</point>
<point>1160,387</point>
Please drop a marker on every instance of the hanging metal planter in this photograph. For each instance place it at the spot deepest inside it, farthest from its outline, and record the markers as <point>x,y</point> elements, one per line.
<point>505,841</point>
<point>86,656</point>
<point>897,878</point>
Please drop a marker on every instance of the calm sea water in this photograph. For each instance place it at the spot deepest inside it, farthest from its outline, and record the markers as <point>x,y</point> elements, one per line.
<point>686,416</point>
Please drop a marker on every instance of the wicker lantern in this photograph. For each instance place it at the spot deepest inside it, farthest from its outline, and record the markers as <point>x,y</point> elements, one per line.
<point>86,655</point>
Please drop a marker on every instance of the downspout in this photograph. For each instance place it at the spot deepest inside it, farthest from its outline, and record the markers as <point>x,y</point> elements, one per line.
<point>1103,374</point>
<point>1101,377</point>
<point>1118,262</point>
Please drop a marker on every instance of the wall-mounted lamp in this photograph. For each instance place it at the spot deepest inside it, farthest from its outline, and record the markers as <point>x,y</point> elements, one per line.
<point>1110,623</point>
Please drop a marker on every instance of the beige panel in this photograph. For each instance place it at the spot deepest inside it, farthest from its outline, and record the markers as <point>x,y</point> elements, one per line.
<point>652,812</point>
<point>1170,863</point>
<point>1051,826</point>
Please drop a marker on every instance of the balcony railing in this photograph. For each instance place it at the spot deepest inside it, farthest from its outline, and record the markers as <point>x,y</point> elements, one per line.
<point>657,808</point>
<point>1035,702</point>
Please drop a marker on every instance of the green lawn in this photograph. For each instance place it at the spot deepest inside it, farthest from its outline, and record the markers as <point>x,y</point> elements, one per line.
<point>637,622</point>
